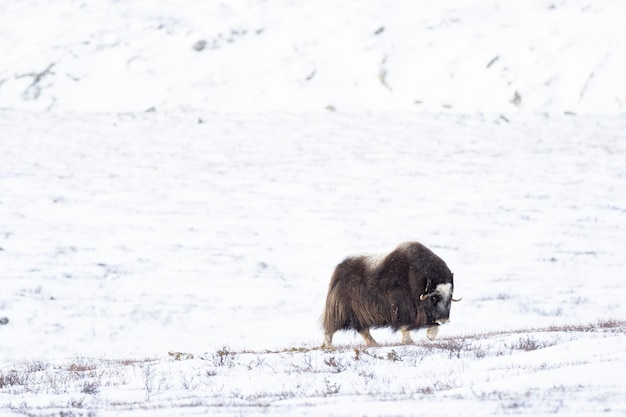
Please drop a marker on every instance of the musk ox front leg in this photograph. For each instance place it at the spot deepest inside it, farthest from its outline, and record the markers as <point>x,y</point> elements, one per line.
<point>432,332</point>
<point>406,336</point>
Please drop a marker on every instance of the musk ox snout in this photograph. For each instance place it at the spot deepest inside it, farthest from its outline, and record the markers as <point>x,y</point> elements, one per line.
<point>407,289</point>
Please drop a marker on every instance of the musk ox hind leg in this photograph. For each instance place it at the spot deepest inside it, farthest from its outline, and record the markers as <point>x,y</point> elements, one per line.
<point>328,341</point>
<point>365,334</point>
<point>369,340</point>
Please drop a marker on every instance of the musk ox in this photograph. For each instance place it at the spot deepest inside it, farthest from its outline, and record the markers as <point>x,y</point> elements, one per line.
<point>406,289</point>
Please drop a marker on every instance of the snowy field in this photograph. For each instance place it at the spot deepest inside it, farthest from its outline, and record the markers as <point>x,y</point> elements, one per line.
<point>128,237</point>
<point>177,185</point>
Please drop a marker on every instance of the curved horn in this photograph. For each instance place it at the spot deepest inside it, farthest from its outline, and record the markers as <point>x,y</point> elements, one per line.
<point>456,300</point>
<point>424,296</point>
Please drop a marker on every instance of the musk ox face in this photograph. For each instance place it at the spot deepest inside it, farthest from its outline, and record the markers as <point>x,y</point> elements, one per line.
<point>437,304</point>
<point>406,289</point>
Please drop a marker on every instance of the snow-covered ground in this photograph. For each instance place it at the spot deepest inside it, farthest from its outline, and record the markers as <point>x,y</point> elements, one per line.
<point>135,235</point>
<point>569,371</point>
<point>176,261</point>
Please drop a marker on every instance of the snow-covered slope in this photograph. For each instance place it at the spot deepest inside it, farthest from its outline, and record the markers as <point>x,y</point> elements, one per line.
<point>466,56</point>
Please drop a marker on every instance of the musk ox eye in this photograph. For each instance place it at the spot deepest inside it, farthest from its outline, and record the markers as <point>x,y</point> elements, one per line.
<point>435,298</point>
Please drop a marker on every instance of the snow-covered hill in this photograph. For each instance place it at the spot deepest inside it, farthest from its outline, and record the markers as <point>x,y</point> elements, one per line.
<point>461,56</point>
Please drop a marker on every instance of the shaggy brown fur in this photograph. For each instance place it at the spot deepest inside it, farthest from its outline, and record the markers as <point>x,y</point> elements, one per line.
<point>384,291</point>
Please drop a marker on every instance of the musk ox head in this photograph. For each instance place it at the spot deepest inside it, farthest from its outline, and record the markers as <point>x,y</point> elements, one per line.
<point>437,304</point>
<point>406,289</point>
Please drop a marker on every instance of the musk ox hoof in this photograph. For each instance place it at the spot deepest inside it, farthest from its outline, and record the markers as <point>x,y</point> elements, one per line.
<point>4,320</point>
<point>432,332</point>
<point>328,342</point>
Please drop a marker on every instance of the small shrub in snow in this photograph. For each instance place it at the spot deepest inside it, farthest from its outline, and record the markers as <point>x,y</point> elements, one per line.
<point>223,357</point>
<point>37,366</point>
<point>393,356</point>
<point>305,364</point>
<point>13,378</point>
<point>83,368</point>
<point>454,347</point>
<point>331,388</point>
<point>153,381</point>
<point>367,376</point>
<point>428,390</point>
<point>479,352</point>
<point>90,387</point>
<point>76,403</point>
<point>51,383</point>
<point>527,344</point>
<point>443,385</point>
<point>611,324</point>
<point>334,364</point>
<point>187,381</point>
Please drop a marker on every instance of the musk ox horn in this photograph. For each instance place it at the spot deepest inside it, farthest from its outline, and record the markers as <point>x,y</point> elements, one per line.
<point>456,300</point>
<point>424,296</point>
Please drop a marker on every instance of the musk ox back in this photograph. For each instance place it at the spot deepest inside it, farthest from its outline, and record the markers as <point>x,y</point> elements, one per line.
<point>409,288</point>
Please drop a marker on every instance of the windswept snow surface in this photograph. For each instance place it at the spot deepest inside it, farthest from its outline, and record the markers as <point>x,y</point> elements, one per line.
<point>131,236</point>
<point>558,371</point>
<point>281,137</point>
